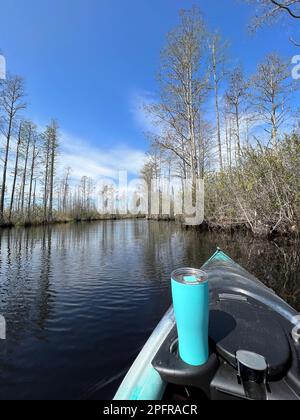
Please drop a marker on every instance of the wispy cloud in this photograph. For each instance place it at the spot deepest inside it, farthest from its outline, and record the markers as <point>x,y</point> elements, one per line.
<point>138,104</point>
<point>98,162</point>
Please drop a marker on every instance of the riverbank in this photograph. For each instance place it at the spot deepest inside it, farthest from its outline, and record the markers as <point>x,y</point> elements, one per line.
<point>262,231</point>
<point>65,220</point>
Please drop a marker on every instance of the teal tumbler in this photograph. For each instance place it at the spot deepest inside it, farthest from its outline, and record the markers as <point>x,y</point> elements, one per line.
<point>191,307</point>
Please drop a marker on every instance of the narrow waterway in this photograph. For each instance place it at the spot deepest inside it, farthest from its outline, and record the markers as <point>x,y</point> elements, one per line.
<point>80,300</point>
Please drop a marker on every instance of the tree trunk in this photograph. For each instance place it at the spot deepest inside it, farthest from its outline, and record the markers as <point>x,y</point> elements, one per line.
<point>238,135</point>
<point>53,152</point>
<point>25,169</point>
<point>216,88</point>
<point>31,178</point>
<point>8,138</point>
<point>34,196</point>
<point>15,174</point>
<point>46,179</point>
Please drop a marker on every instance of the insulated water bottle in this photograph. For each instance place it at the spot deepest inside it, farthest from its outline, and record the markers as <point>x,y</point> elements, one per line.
<point>191,307</point>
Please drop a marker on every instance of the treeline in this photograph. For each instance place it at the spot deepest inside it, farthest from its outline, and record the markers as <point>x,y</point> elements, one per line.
<point>29,160</point>
<point>245,146</point>
<point>31,189</point>
<point>77,201</point>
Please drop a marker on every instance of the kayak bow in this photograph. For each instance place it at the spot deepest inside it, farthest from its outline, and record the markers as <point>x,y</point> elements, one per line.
<point>254,351</point>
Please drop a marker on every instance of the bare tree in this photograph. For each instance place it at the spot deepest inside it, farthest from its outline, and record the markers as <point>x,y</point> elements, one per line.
<point>12,102</point>
<point>46,163</point>
<point>272,11</point>
<point>272,89</point>
<point>34,156</point>
<point>227,118</point>
<point>15,172</point>
<point>150,172</point>
<point>236,96</point>
<point>22,159</point>
<point>51,146</point>
<point>218,64</point>
<point>66,188</point>
<point>184,88</point>
<point>29,129</point>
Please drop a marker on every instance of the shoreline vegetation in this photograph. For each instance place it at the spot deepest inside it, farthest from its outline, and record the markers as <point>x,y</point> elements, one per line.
<point>65,219</point>
<point>283,231</point>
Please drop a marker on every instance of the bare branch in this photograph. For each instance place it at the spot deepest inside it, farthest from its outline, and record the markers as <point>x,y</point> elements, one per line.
<point>287,8</point>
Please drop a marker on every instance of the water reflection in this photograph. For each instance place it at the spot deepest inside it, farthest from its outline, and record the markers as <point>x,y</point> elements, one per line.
<point>80,300</point>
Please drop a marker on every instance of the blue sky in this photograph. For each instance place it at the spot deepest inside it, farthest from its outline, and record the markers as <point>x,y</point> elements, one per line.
<point>90,64</point>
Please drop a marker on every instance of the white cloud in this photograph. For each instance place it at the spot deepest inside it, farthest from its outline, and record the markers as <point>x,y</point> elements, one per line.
<point>138,103</point>
<point>98,162</point>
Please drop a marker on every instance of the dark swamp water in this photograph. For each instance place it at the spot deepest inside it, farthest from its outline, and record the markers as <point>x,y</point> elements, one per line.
<point>80,300</point>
